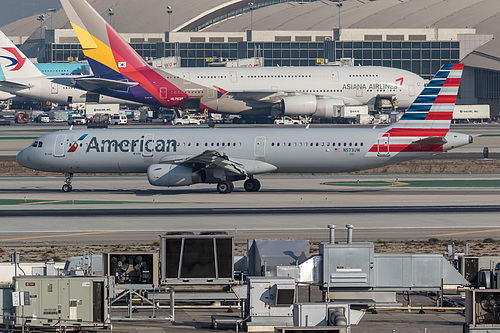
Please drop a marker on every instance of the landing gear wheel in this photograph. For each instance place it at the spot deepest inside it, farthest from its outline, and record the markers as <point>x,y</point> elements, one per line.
<point>225,187</point>
<point>251,185</point>
<point>67,188</point>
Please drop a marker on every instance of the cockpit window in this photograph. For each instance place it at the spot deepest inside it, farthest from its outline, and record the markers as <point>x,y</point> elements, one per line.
<point>35,144</point>
<point>40,143</point>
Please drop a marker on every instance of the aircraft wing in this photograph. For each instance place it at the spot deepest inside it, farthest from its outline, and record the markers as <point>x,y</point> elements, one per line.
<point>260,96</point>
<point>217,159</point>
<point>431,140</point>
<point>212,159</point>
<point>14,85</point>
<point>95,83</point>
<point>256,98</point>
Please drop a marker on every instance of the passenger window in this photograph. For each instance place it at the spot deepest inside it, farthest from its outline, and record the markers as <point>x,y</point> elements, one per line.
<point>272,144</point>
<point>278,144</point>
<point>345,144</point>
<point>361,144</point>
<point>350,144</point>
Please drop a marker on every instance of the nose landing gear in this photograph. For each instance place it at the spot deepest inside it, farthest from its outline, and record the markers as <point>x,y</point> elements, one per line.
<point>67,187</point>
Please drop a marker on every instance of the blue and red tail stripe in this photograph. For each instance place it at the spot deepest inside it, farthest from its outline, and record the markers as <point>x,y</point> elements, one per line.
<point>428,117</point>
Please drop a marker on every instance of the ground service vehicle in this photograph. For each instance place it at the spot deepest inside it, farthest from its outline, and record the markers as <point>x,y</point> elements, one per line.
<point>286,120</point>
<point>119,119</point>
<point>77,119</point>
<point>186,120</point>
<point>21,117</point>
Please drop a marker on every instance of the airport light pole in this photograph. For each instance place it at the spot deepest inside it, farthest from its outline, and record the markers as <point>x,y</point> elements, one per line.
<point>251,5</point>
<point>169,12</point>
<point>339,4</point>
<point>51,11</point>
<point>40,18</point>
<point>111,13</point>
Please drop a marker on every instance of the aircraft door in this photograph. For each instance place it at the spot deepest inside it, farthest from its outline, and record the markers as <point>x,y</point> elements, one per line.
<point>335,76</point>
<point>59,145</point>
<point>383,145</point>
<point>149,145</point>
<point>359,92</point>
<point>233,76</point>
<point>186,77</point>
<point>260,146</point>
<point>411,90</point>
<point>163,93</point>
<point>53,88</point>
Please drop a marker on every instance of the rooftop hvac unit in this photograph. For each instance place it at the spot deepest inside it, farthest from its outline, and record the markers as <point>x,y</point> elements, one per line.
<point>482,310</point>
<point>132,267</point>
<point>197,259</point>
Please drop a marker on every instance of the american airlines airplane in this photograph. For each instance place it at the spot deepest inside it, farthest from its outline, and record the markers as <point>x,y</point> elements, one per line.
<point>308,91</point>
<point>182,157</point>
<point>24,79</point>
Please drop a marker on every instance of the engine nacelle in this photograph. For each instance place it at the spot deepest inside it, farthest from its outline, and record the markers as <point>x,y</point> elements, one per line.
<point>173,175</point>
<point>299,105</point>
<point>327,108</point>
<point>310,105</point>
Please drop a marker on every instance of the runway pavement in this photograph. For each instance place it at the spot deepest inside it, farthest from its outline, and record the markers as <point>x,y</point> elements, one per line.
<point>117,209</point>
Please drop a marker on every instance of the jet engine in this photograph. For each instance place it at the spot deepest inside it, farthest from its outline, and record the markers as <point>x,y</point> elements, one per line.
<point>173,175</point>
<point>311,105</point>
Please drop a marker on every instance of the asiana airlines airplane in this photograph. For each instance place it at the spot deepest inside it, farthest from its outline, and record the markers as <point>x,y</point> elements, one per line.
<point>182,157</point>
<point>317,91</point>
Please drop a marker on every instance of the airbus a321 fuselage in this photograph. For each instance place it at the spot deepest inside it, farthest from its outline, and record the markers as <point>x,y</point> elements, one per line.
<point>181,157</point>
<point>307,91</point>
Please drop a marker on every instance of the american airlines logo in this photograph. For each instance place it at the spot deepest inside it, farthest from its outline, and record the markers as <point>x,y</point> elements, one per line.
<point>131,146</point>
<point>75,144</point>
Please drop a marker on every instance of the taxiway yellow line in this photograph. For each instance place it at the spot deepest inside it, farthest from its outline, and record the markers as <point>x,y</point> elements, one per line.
<point>65,235</point>
<point>42,202</point>
<point>465,233</point>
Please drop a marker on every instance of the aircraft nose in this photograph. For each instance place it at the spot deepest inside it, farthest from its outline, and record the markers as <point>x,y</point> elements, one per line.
<point>23,158</point>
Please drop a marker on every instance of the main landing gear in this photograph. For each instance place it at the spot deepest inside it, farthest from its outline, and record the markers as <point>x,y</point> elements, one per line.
<point>225,186</point>
<point>250,185</point>
<point>67,187</point>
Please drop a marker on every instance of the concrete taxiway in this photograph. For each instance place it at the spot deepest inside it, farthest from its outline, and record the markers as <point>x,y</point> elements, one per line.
<point>117,209</point>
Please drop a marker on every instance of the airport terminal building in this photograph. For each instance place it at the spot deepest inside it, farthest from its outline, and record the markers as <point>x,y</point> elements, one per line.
<point>403,34</point>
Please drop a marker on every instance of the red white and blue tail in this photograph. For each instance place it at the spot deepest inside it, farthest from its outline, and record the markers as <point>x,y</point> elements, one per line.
<point>433,108</point>
<point>424,126</point>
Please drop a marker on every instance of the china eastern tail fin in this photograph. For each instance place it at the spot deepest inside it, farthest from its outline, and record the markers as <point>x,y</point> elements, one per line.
<point>432,111</point>
<point>14,63</point>
<point>107,53</point>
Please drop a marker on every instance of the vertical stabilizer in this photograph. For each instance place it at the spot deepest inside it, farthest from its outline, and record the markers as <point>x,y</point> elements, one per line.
<point>107,53</point>
<point>432,110</point>
<point>14,63</point>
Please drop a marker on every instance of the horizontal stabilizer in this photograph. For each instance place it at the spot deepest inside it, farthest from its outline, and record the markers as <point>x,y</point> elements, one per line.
<point>431,140</point>
<point>14,85</point>
<point>94,83</point>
